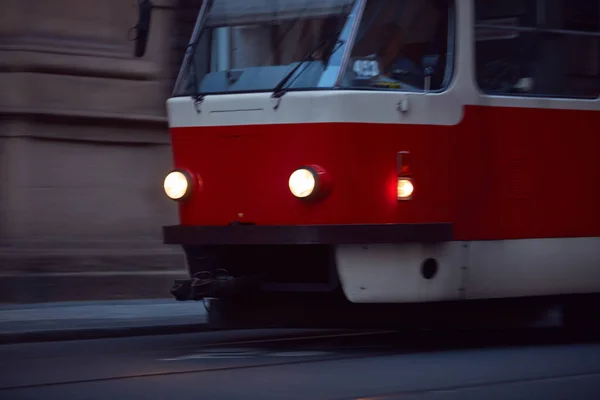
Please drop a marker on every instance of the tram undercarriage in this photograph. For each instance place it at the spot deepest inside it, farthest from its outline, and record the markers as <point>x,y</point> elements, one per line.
<point>298,286</point>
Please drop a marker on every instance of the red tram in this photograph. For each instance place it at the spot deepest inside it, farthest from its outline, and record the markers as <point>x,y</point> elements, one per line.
<point>378,153</point>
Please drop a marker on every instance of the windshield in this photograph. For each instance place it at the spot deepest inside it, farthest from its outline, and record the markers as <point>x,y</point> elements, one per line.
<point>402,45</point>
<point>251,45</point>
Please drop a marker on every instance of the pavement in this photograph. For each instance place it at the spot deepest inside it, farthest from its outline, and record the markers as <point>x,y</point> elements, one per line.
<point>61,270</point>
<point>86,286</point>
<point>98,319</point>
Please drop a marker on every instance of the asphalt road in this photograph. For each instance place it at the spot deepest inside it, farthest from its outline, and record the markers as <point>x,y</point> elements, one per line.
<point>320,365</point>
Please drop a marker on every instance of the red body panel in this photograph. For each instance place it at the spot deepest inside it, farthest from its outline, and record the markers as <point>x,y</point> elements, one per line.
<point>502,173</point>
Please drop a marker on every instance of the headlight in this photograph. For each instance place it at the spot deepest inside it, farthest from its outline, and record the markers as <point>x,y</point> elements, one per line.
<point>177,185</point>
<point>310,182</point>
<point>302,183</point>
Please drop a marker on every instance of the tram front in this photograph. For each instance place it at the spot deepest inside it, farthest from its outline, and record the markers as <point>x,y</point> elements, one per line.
<point>284,129</point>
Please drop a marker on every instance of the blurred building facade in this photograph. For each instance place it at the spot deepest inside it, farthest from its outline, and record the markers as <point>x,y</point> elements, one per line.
<point>84,144</point>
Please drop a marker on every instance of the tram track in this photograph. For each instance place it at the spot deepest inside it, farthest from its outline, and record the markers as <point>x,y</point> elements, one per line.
<point>385,344</point>
<point>268,338</point>
<point>416,337</point>
<point>229,344</point>
<point>380,396</point>
<point>185,372</point>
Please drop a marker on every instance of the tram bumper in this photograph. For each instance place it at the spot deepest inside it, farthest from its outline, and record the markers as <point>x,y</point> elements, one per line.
<point>207,240</point>
<point>306,234</point>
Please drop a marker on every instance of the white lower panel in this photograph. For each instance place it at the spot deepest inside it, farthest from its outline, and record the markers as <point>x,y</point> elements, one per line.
<point>533,267</point>
<point>392,272</point>
<point>469,270</point>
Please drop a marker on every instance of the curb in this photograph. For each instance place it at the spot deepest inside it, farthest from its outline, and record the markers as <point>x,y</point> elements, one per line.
<point>43,288</point>
<point>63,335</point>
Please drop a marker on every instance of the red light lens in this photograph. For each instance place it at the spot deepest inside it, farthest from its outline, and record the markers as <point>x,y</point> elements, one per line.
<point>403,163</point>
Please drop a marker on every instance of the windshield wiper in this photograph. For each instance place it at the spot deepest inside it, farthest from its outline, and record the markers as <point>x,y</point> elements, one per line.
<point>279,90</point>
<point>197,96</point>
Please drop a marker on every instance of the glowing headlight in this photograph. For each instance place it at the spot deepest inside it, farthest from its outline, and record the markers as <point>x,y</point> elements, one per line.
<point>302,183</point>
<point>176,185</point>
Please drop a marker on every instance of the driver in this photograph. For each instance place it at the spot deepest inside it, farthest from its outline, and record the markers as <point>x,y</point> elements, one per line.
<point>391,42</point>
<point>399,38</point>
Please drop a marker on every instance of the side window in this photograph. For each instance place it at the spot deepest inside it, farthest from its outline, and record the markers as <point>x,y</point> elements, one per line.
<point>544,48</point>
<point>402,45</point>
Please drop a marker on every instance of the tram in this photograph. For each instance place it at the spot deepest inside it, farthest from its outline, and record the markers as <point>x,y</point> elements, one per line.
<point>360,155</point>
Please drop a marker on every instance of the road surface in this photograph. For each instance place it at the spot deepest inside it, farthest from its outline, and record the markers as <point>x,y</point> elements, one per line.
<point>304,365</point>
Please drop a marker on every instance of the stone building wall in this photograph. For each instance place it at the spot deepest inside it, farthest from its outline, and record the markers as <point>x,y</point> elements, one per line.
<point>84,147</point>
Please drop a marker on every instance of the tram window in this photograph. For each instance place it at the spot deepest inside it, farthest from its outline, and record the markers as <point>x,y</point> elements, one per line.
<point>543,48</point>
<point>251,45</point>
<point>402,45</point>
